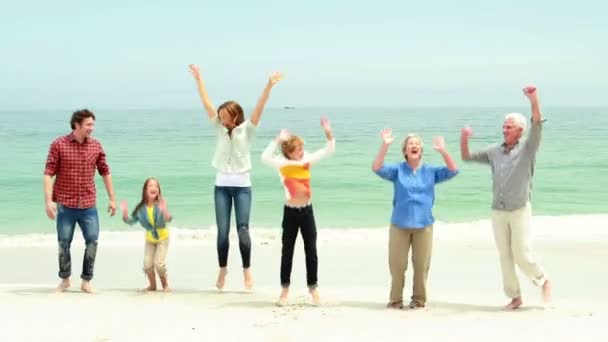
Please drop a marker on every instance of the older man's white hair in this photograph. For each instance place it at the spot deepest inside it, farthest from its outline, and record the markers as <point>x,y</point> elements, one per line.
<point>518,119</point>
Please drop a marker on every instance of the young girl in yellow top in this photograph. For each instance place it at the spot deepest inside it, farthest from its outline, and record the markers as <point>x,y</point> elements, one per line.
<point>151,212</point>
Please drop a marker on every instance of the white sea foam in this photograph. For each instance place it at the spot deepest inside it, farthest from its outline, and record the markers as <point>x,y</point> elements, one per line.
<point>544,228</point>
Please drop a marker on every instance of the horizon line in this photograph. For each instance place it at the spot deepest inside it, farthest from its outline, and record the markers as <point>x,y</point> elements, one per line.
<point>295,107</point>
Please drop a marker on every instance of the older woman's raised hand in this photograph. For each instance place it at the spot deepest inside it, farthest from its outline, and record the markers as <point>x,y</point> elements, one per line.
<point>439,143</point>
<point>387,136</point>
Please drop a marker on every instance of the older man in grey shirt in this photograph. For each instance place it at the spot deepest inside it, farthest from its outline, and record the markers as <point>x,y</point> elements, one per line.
<point>512,165</point>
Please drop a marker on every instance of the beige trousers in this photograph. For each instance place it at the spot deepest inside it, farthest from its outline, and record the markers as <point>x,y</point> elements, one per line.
<point>155,255</point>
<point>399,242</point>
<point>512,236</point>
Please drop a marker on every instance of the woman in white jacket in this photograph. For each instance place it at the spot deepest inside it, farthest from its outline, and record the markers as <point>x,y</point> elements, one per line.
<point>233,164</point>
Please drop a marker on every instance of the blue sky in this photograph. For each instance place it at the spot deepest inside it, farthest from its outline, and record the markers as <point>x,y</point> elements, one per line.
<point>134,54</point>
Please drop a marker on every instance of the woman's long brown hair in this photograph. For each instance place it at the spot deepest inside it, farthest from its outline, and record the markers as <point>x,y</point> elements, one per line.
<point>235,111</point>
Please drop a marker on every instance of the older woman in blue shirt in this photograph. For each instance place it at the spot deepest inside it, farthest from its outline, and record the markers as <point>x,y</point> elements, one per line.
<point>412,218</point>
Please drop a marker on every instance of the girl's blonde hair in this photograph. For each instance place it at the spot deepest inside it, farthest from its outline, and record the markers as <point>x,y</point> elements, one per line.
<point>290,145</point>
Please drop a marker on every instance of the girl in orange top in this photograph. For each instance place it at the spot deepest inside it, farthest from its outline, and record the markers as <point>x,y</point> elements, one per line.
<point>294,165</point>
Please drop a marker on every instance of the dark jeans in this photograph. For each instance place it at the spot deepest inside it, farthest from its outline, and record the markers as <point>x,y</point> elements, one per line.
<point>223,197</point>
<point>303,219</point>
<point>88,221</point>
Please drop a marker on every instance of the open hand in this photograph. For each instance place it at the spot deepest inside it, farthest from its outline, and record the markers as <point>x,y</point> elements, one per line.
<point>124,208</point>
<point>162,204</point>
<point>439,143</point>
<point>325,124</point>
<point>284,135</point>
<point>387,135</point>
<point>195,71</point>
<point>275,77</point>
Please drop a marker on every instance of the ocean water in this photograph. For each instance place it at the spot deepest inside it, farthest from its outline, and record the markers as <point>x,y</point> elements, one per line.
<point>176,146</point>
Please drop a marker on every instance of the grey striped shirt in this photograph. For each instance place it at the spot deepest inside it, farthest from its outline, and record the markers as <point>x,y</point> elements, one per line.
<point>512,170</point>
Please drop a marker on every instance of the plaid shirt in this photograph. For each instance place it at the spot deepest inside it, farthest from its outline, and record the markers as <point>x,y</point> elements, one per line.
<point>73,165</point>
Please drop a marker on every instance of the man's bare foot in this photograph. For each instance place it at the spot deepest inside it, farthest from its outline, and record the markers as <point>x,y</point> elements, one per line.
<point>166,289</point>
<point>546,292</point>
<point>514,304</point>
<point>283,298</point>
<point>248,279</point>
<point>316,300</point>
<point>221,278</point>
<point>86,287</point>
<point>64,285</point>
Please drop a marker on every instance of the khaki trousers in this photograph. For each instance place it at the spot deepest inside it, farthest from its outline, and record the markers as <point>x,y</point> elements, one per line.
<point>155,255</point>
<point>421,242</point>
<point>512,237</point>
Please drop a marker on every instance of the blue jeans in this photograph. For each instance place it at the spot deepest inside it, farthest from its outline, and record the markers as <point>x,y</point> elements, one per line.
<point>223,197</point>
<point>88,221</point>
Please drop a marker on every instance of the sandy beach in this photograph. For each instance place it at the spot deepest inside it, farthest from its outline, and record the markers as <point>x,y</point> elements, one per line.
<point>464,288</point>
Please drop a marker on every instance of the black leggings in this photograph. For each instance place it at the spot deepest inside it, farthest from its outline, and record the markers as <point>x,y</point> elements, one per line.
<point>303,219</point>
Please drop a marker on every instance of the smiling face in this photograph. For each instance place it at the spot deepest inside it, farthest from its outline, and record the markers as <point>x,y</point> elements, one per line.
<point>151,190</point>
<point>511,131</point>
<point>82,124</point>
<point>293,148</point>
<point>412,148</point>
<point>297,153</point>
<point>85,128</point>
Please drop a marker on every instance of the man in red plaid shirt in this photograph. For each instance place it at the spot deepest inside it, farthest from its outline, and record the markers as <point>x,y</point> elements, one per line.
<point>72,160</point>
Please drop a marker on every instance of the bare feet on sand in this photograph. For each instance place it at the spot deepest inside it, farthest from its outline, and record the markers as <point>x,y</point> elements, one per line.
<point>514,304</point>
<point>152,280</point>
<point>416,305</point>
<point>248,279</point>
<point>221,278</point>
<point>316,300</point>
<point>150,288</point>
<point>64,285</point>
<point>283,298</point>
<point>546,292</point>
<point>395,305</point>
<point>86,287</point>
<point>165,283</point>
